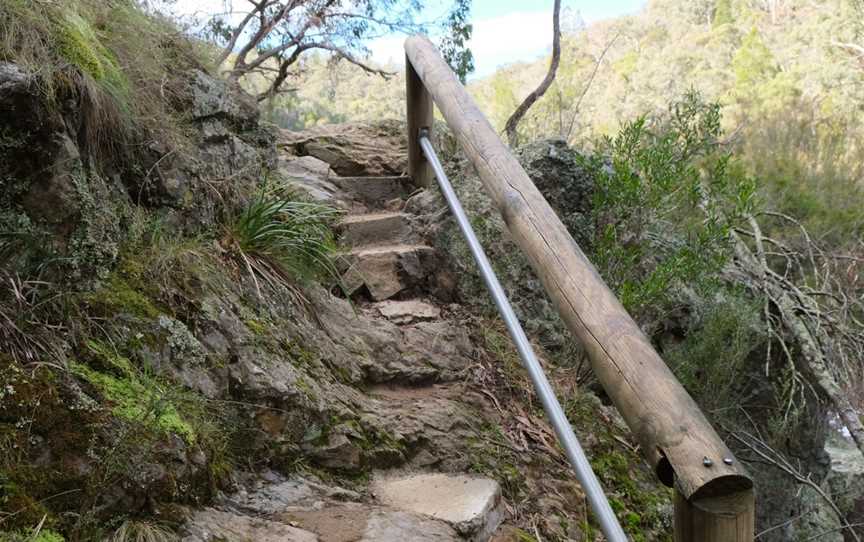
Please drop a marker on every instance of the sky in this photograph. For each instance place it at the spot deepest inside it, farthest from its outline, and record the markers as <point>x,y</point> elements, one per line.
<point>505,31</point>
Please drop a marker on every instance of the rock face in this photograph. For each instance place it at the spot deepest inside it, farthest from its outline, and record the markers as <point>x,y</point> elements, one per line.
<point>75,191</point>
<point>353,149</point>
<point>214,98</point>
<point>843,484</point>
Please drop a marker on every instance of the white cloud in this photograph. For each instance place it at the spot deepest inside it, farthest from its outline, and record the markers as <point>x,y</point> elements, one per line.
<point>200,10</point>
<point>514,37</point>
<point>519,36</point>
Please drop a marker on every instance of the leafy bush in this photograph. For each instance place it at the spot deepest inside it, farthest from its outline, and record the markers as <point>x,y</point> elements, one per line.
<point>665,200</point>
<point>280,240</point>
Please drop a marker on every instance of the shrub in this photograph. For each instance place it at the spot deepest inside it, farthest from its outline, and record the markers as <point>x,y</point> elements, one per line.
<point>665,200</point>
<point>282,240</point>
<point>722,335</point>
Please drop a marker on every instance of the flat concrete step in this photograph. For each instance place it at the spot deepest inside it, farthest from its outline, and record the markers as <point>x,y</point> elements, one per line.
<point>472,506</point>
<point>386,270</point>
<point>382,228</point>
<point>376,191</point>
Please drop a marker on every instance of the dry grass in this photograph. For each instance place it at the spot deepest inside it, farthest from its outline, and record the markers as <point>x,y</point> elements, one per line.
<point>109,56</point>
<point>142,531</point>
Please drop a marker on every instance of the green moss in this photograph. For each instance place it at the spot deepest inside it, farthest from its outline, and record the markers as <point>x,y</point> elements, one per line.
<point>45,535</point>
<point>79,44</point>
<point>635,497</point>
<point>109,358</point>
<point>118,296</point>
<point>140,400</point>
<point>256,327</point>
<point>492,457</point>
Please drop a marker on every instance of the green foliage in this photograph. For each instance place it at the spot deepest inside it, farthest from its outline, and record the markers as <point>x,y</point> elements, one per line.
<point>138,398</point>
<point>665,204</point>
<point>723,13</point>
<point>627,64</point>
<point>43,535</point>
<point>281,239</point>
<point>753,63</point>
<point>714,354</point>
<point>454,44</point>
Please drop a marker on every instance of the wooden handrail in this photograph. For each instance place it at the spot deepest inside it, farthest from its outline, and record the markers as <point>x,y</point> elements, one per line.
<point>715,500</point>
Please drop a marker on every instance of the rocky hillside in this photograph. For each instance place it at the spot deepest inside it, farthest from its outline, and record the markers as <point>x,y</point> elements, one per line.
<point>166,375</point>
<point>212,329</point>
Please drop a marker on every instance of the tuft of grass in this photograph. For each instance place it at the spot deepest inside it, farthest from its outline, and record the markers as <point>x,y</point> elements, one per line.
<point>33,535</point>
<point>92,50</point>
<point>142,531</point>
<point>281,240</point>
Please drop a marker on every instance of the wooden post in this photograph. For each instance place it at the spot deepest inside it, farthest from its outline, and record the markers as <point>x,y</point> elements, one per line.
<point>674,435</point>
<point>729,518</point>
<point>420,115</point>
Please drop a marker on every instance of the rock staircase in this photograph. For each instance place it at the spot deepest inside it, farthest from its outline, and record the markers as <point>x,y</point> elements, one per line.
<point>387,256</point>
<point>388,270</point>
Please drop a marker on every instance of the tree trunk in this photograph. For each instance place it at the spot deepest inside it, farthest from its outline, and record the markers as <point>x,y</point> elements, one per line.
<point>513,121</point>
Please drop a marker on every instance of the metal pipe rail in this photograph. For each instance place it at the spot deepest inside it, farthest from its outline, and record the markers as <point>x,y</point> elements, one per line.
<point>714,497</point>
<point>593,491</point>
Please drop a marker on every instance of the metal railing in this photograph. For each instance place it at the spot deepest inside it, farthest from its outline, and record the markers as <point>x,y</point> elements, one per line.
<point>714,496</point>
<point>593,491</point>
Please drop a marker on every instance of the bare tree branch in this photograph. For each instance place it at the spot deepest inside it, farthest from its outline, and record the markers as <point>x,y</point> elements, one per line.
<point>588,84</point>
<point>513,121</point>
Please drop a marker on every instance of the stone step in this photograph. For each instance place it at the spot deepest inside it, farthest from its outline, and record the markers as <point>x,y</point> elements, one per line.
<point>351,522</point>
<point>386,270</point>
<point>472,506</point>
<point>382,228</point>
<point>408,311</point>
<point>376,192</point>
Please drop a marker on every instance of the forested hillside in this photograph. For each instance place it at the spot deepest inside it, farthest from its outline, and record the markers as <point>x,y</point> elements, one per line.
<point>737,245</point>
<point>228,314</point>
<point>789,79</point>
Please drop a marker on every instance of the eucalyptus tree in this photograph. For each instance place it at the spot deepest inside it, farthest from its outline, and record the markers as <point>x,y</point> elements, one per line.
<point>269,37</point>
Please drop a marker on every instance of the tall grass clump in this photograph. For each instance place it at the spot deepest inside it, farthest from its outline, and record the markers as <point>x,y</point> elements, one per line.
<point>119,62</point>
<point>142,531</point>
<point>281,240</point>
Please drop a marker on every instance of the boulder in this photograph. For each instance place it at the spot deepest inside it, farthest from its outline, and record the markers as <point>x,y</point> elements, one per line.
<point>394,526</point>
<point>212,98</point>
<point>313,178</point>
<point>376,149</point>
